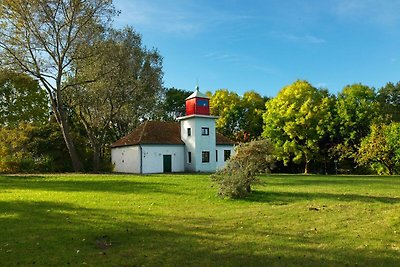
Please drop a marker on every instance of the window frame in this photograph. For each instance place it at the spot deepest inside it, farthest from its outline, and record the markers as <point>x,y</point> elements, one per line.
<point>205,156</point>
<point>205,131</point>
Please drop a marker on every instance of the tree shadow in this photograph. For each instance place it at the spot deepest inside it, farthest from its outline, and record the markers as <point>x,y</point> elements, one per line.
<point>353,180</point>
<point>120,186</point>
<point>289,197</point>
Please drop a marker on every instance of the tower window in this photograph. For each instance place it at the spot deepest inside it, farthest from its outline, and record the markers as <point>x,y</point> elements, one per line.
<point>189,157</point>
<point>205,156</point>
<point>189,131</point>
<point>205,131</point>
<point>216,155</point>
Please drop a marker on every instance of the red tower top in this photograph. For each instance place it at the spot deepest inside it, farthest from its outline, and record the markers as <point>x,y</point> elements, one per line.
<point>197,104</point>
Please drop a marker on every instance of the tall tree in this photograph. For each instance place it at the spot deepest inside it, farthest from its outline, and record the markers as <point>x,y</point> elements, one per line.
<point>389,99</point>
<point>21,100</point>
<point>296,120</point>
<point>356,108</point>
<point>128,79</point>
<point>174,103</point>
<point>43,38</point>
<point>240,117</point>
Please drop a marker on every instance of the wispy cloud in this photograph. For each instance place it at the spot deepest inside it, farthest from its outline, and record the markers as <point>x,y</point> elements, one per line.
<point>382,13</point>
<point>223,57</point>
<point>309,39</point>
<point>176,16</point>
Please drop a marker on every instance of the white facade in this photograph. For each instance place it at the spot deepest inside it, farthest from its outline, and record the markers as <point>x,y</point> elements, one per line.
<point>147,158</point>
<point>198,134</point>
<point>126,159</point>
<point>153,158</point>
<point>223,155</point>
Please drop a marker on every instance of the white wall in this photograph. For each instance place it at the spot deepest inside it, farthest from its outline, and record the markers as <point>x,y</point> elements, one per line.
<point>152,156</point>
<point>220,148</point>
<point>126,159</point>
<point>197,143</point>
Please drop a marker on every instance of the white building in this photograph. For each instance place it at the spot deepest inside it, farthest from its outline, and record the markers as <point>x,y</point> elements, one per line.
<point>192,145</point>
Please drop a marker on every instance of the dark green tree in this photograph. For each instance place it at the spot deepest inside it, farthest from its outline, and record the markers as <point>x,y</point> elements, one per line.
<point>389,100</point>
<point>21,100</point>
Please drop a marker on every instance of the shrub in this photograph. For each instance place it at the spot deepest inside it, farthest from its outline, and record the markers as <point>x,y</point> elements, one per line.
<point>240,172</point>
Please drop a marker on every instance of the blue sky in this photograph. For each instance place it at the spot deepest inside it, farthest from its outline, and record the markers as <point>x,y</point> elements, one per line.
<point>264,45</point>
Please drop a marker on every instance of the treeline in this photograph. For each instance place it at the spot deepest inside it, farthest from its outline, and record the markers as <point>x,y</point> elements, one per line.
<point>356,131</point>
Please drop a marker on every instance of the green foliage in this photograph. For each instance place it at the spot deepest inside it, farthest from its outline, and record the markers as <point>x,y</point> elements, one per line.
<point>174,103</point>
<point>297,120</point>
<point>125,82</point>
<point>45,38</point>
<point>389,100</point>
<point>241,170</point>
<point>14,155</point>
<point>21,100</point>
<point>240,118</point>
<point>381,149</point>
<point>357,109</point>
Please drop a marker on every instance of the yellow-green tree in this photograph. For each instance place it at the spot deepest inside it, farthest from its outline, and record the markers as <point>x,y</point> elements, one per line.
<point>296,121</point>
<point>240,117</point>
<point>381,149</point>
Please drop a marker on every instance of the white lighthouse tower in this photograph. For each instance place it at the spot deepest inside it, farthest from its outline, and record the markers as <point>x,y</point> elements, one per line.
<point>198,134</point>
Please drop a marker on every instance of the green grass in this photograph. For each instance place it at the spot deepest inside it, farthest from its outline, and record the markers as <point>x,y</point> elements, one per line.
<point>177,220</point>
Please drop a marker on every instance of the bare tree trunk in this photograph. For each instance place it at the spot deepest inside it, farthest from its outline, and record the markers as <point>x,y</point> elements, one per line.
<point>76,162</point>
<point>96,158</point>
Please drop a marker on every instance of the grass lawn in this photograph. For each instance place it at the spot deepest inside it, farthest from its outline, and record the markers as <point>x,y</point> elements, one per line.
<point>177,220</point>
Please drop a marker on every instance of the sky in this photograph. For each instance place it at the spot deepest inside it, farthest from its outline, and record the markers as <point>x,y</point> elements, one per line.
<point>265,45</point>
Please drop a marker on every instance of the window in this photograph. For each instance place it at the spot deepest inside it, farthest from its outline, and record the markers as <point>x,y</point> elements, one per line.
<point>227,154</point>
<point>202,102</point>
<point>189,157</point>
<point>216,155</point>
<point>189,131</point>
<point>205,131</point>
<point>205,156</point>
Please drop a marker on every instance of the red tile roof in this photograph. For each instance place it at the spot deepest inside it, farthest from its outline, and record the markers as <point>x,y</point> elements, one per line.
<point>162,133</point>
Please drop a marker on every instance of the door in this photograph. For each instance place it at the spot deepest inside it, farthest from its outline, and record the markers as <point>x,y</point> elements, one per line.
<point>167,163</point>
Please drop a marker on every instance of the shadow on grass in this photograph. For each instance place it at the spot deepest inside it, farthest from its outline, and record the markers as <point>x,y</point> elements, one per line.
<point>352,180</point>
<point>57,234</point>
<point>120,186</point>
<point>288,197</point>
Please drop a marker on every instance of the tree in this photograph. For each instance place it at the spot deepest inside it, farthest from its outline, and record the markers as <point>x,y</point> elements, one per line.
<point>356,109</point>
<point>381,148</point>
<point>225,105</point>
<point>240,118</point>
<point>389,99</point>
<point>251,121</point>
<point>241,170</point>
<point>44,37</point>
<point>128,79</point>
<point>21,100</point>
<point>296,120</point>
<point>174,104</point>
